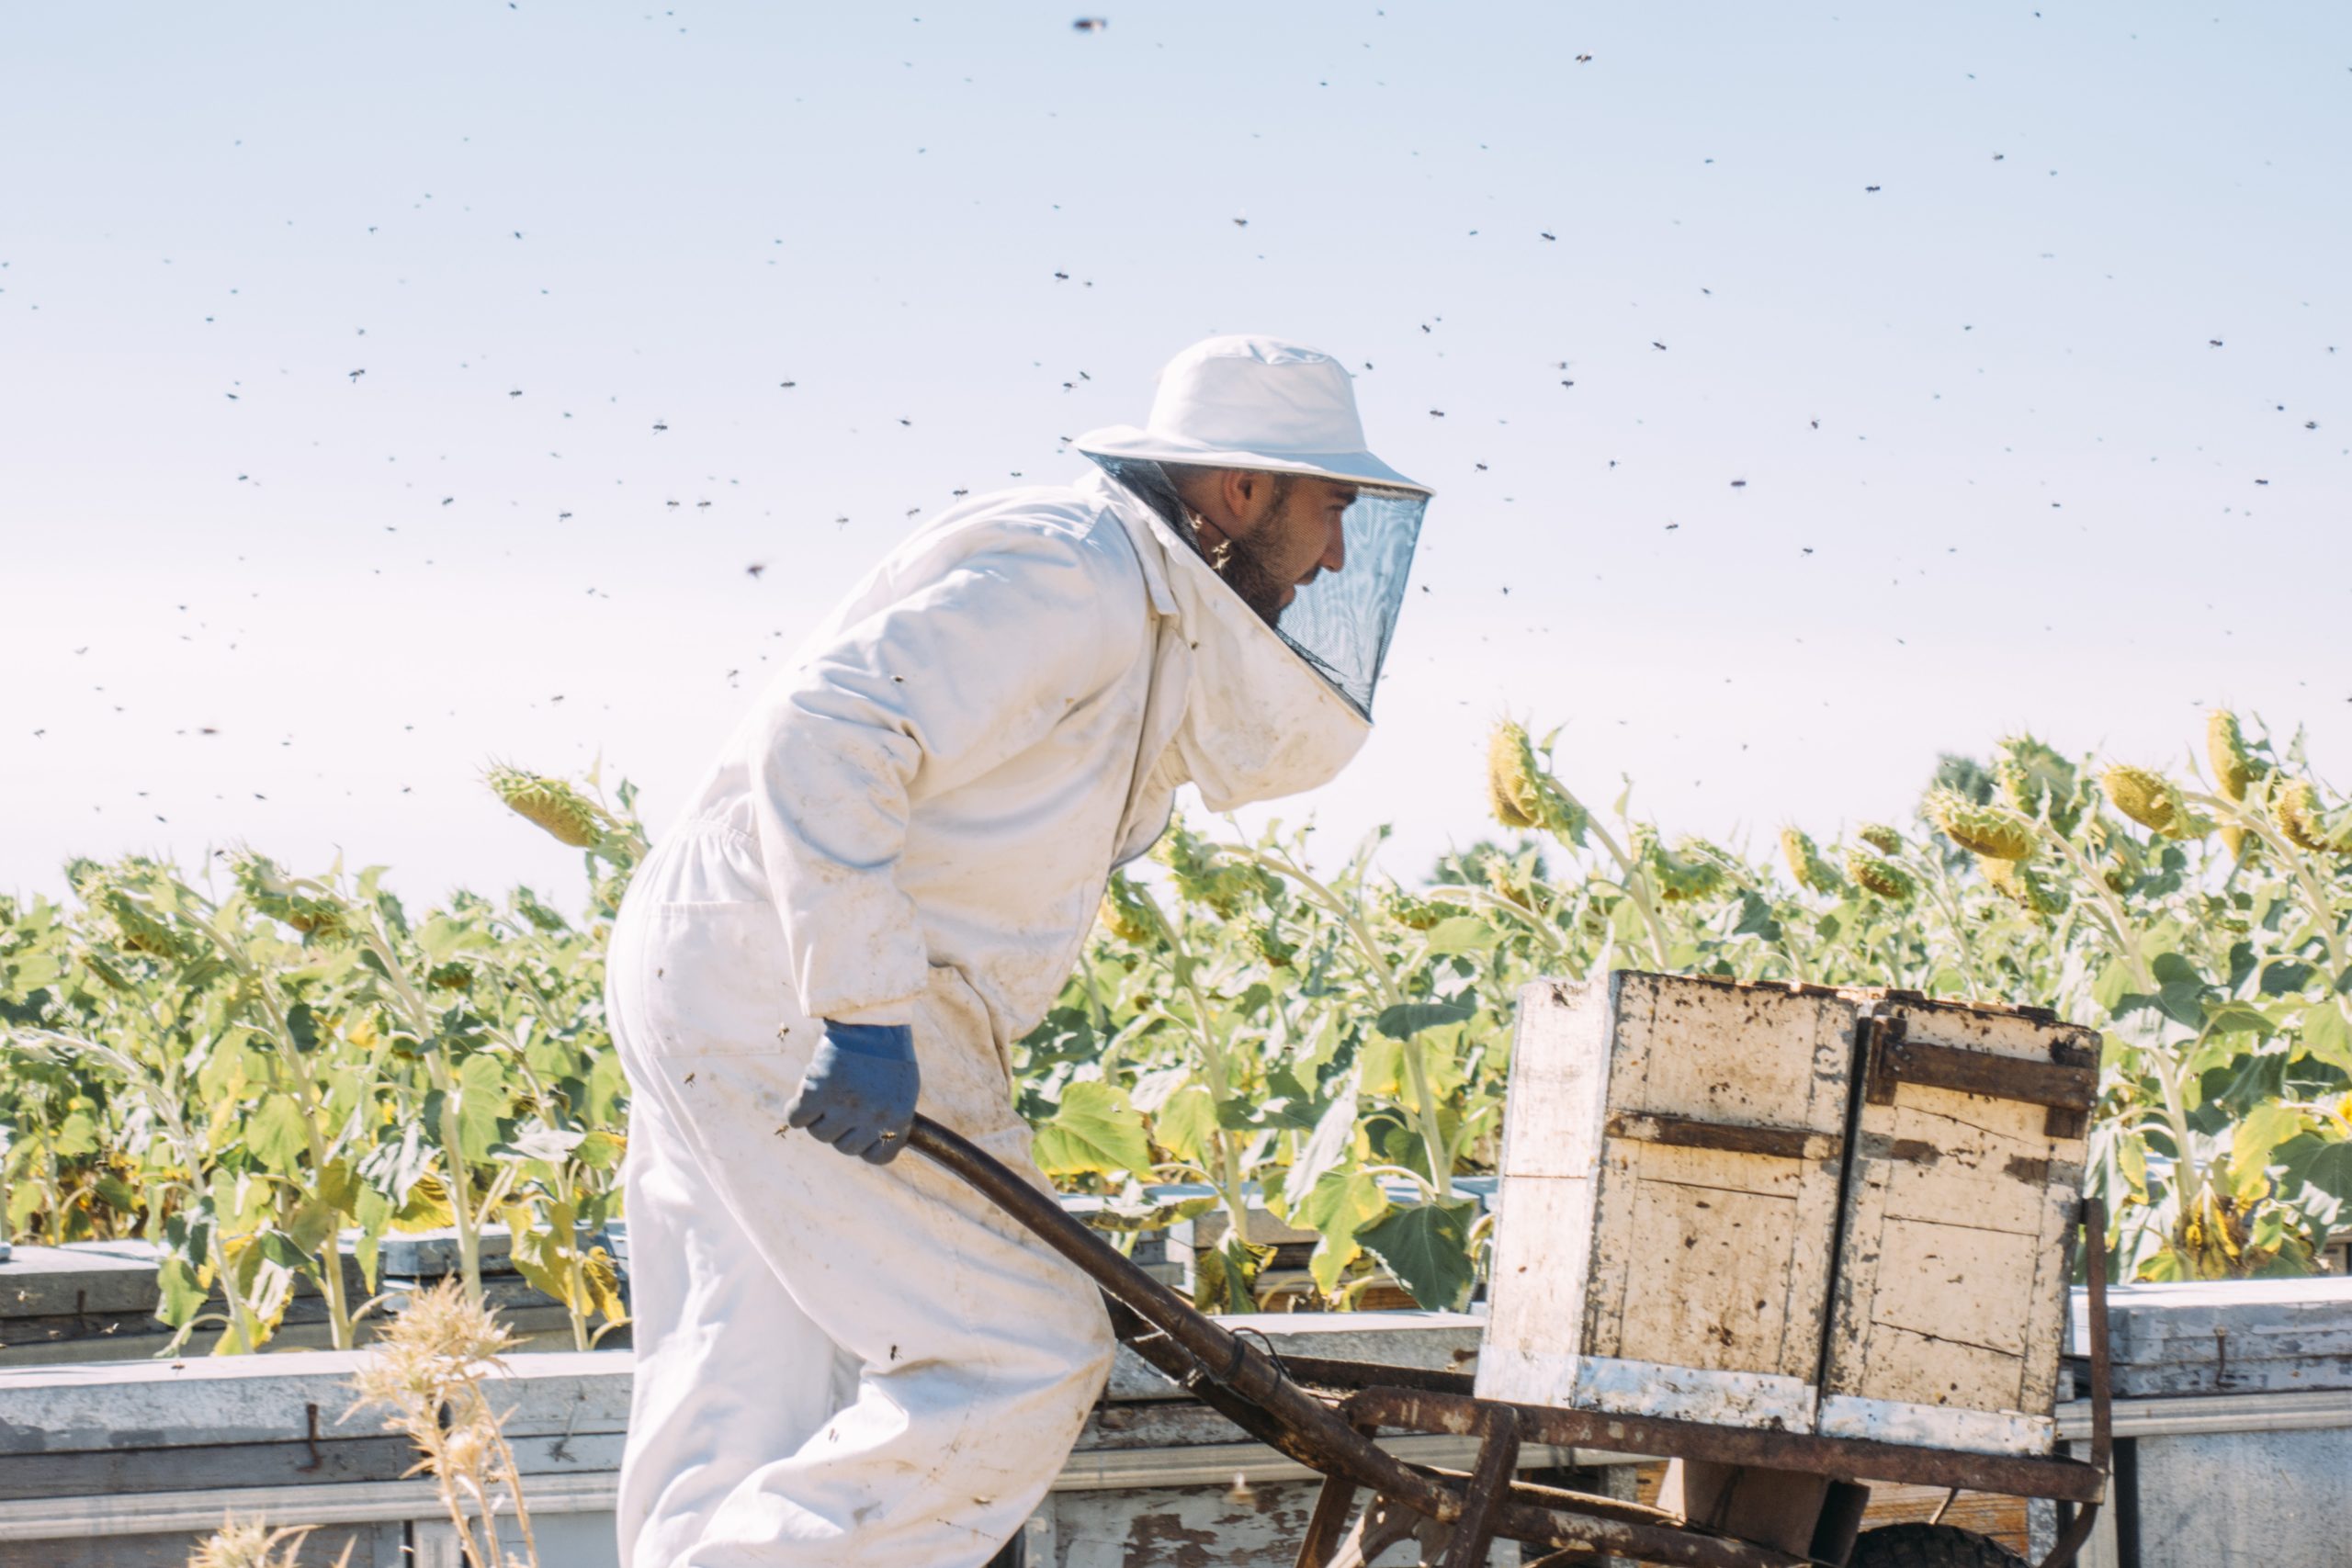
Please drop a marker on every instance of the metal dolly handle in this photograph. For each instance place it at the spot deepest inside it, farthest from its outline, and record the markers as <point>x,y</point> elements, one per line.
<point>1251,1389</point>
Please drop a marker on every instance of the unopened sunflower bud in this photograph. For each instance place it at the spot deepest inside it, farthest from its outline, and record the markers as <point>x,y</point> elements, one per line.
<point>2233,765</point>
<point>1813,873</point>
<point>568,815</point>
<point>1986,831</point>
<point>2021,887</point>
<point>1882,876</point>
<point>2153,801</point>
<point>1879,836</point>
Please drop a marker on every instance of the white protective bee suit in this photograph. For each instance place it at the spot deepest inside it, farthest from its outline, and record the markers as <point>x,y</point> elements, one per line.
<point>841,1363</point>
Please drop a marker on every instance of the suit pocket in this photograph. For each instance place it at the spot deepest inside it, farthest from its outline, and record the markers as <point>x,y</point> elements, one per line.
<point>717,982</point>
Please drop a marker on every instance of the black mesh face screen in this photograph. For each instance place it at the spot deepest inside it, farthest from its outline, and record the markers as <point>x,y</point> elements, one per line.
<point>1341,623</point>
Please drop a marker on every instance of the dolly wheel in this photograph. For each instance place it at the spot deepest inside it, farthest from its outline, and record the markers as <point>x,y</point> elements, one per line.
<point>1929,1546</point>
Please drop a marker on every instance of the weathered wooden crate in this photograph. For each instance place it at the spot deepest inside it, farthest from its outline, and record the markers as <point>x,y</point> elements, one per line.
<point>127,1466</point>
<point>1822,1211</point>
<point>1669,1199</point>
<point>2226,1337</point>
<point>95,1301</point>
<point>1963,1182</point>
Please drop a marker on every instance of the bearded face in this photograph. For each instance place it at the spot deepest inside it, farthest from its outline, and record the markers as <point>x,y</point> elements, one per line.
<point>1292,535</point>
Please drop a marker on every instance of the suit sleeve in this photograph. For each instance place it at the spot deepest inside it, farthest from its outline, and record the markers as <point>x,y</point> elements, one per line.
<point>964,668</point>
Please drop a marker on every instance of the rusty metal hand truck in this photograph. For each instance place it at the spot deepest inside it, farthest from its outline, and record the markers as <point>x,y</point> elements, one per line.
<point>1327,1414</point>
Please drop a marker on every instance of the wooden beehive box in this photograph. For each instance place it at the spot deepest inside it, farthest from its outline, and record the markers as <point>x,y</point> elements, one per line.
<point>1965,1176</point>
<point>1669,1199</point>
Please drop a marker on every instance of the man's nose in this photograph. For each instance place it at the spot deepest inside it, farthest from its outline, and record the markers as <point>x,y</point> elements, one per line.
<point>1335,548</point>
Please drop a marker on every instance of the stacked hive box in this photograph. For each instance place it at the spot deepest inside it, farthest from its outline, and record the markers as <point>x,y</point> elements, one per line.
<point>1670,1167</point>
<point>1966,1169</point>
<point>1788,1207</point>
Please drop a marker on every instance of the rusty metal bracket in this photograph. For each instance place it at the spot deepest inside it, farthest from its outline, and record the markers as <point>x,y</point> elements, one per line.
<point>1729,1137</point>
<point>2093,1256</point>
<point>1488,1490</point>
<point>1881,1031</point>
<point>1277,1412</point>
<point>1328,1525</point>
<point>1317,1371</point>
<point>1857,1459</point>
<point>2066,1086</point>
<point>1260,1395</point>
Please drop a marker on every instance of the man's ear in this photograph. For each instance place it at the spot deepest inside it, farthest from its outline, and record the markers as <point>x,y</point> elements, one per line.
<point>1243,494</point>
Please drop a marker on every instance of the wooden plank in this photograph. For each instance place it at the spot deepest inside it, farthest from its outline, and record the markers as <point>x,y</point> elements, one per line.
<point>1944,1163</point>
<point>1546,1208</point>
<point>383,1545</point>
<point>2239,1336</point>
<point>1725,1255</point>
<point>1772,1508</point>
<point>1714,1296</point>
<point>205,1401</point>
<point>1761,1055</point>
<point>102,1472</point>
<point>97,1281</point>
<point>565,1540</point>
<point>106,1277</point>
<point>1203,1525</point>
<point>1543,1236</point>
<point>267,1398</point>
<point>1958,1284</point>
<point>1987,1513</point>
<point>1197,1527</point>
<point>1559,1084</point>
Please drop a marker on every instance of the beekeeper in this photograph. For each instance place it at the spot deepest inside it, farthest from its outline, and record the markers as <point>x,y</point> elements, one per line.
<point>880,885</point>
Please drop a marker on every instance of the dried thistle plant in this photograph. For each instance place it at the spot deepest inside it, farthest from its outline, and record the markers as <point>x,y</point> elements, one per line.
<point>249,1543</point>
<point>428,1369</point>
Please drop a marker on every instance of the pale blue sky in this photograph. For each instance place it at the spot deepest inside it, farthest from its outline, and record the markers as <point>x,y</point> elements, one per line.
<point>2033,495</point>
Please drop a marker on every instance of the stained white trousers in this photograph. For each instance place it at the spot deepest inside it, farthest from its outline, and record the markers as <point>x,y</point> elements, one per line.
<point>837,1363</point>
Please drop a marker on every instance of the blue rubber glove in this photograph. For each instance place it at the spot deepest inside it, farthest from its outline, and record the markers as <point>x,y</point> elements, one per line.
<point>859,1092</point>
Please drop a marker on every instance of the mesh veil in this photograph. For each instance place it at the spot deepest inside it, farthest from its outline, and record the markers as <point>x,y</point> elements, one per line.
<point>1341,623</point>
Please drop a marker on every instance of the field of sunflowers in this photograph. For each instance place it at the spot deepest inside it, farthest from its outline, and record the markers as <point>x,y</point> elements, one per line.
<point>259,1071</point>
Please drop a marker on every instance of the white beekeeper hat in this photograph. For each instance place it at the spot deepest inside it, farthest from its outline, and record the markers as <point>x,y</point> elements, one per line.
<point>1248,401</point>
